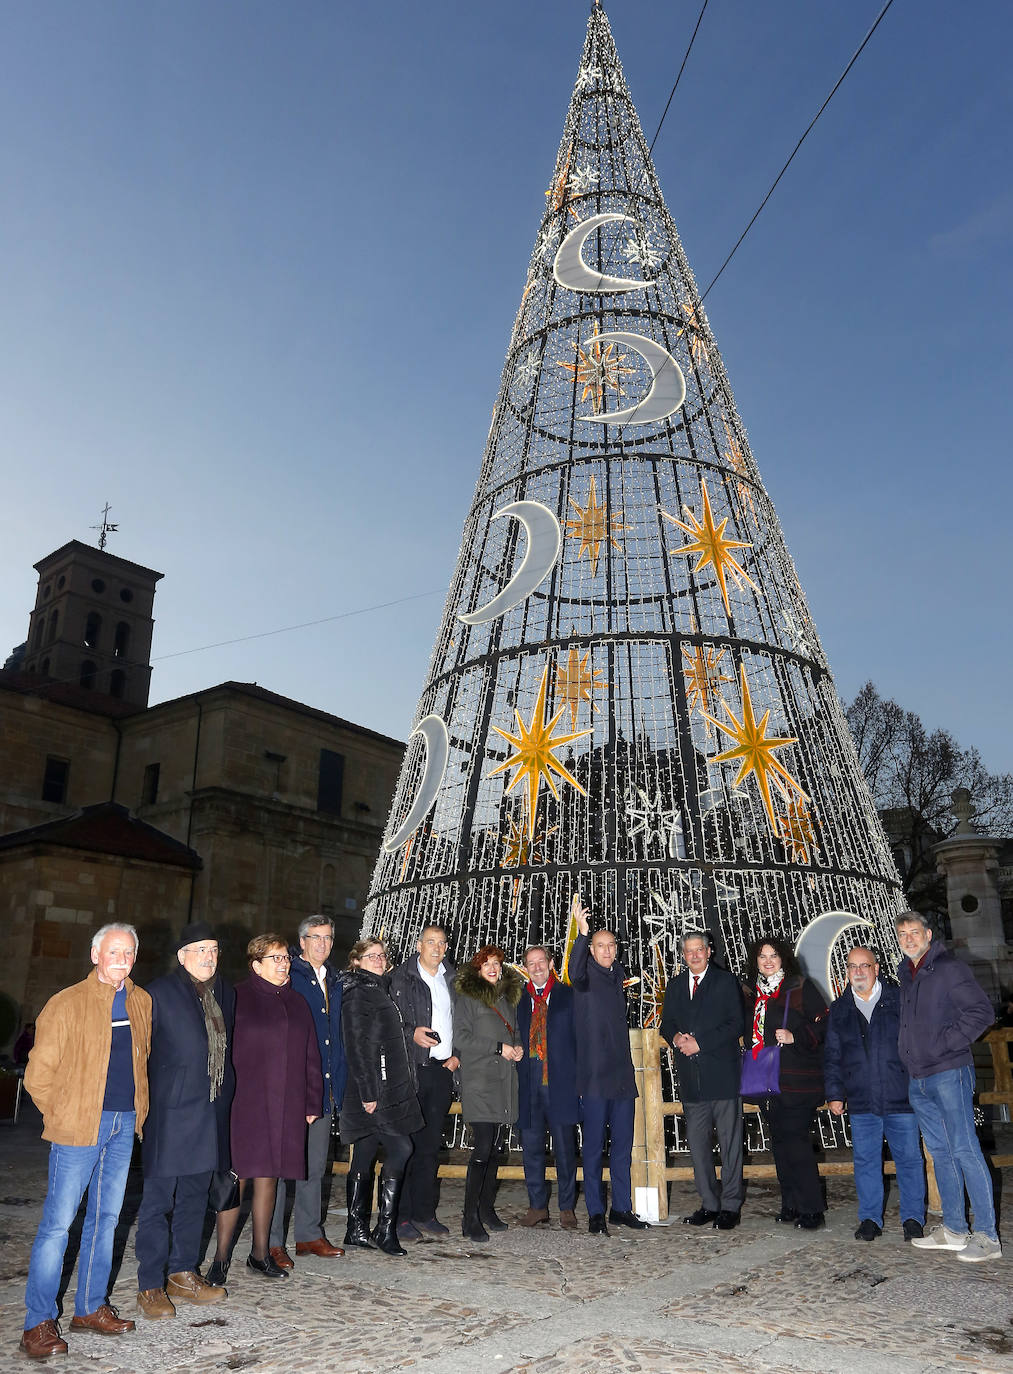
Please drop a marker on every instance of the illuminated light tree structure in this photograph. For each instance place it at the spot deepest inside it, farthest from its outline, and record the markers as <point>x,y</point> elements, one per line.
<point>627,696</point>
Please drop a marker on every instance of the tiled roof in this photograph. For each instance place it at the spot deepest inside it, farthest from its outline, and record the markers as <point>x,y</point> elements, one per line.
<point>107,828</point>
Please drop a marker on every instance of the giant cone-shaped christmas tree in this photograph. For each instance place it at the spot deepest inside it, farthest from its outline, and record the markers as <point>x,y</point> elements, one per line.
<point>627,696</point>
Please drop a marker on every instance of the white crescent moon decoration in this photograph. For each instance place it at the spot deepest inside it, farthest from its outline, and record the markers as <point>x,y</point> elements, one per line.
<point>815,946</point>
<point>570,269</point>
<point>668,389</point>
<point>545,538</point>
<point>434,731</point>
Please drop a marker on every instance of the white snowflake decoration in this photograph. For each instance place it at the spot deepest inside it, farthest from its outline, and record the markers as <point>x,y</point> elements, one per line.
<point>547,241</point>
<point>528,367</point>
<point>649,818</point>
<point>643,252</point>
<point>588,77</point>
<point>583,179</point>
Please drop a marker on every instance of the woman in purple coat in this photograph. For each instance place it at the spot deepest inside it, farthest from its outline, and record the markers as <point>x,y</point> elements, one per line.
<point>279,1087</point>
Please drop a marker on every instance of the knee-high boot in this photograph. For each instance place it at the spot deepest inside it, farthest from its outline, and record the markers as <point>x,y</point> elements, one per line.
<point>471,1225</point>
<point>487,1199</point>
<point>358,1192</point>
<point>385,1230</point>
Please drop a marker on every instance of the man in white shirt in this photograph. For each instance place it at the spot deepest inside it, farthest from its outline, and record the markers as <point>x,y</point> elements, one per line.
<point>423,989</point>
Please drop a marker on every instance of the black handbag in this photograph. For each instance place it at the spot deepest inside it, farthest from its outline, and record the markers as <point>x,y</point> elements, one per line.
<point>224,1194</point>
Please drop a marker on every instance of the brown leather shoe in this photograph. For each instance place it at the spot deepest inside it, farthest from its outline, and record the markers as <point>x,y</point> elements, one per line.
<point>322,1247</point>
<point>190,1287</point>
<point>105,1320</point>
<point>534,1216</point>
<point>568,1221</point>
<point>39,1342</point>
<point>282,1258</point>
<point>154,1303</point>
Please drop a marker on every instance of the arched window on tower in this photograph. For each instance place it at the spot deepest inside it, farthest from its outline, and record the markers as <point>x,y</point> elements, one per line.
<point>121,640</point>
<point>54,622</point>
<point>88,673</point>
<point>117,682</point>
<point>44,667</point>
<point>92,630</point>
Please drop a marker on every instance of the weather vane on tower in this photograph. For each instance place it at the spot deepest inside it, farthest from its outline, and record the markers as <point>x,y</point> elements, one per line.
<point>106,528</point>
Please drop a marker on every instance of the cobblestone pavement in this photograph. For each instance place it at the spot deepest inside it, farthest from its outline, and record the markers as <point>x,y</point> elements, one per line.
<point>758,1299</point>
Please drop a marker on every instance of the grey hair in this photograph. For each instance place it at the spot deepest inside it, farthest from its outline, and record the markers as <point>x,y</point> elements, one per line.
<point>103,931</point>
<point>308,923</point>
<point>703,935</point>
<point>910,917</point>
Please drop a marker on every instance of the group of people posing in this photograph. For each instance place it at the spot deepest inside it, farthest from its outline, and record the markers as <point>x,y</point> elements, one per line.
<point>236,1089</point>
<point>897,1058</point>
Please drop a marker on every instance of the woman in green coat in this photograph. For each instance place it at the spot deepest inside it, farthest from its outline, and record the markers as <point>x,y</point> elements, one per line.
<point>485,1038</point>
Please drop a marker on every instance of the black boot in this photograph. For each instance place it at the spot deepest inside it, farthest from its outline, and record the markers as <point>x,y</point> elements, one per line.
<point>359,1193</point>
<point>385,1230</point>
<point>471,1225</point>
<point>487,1198</point>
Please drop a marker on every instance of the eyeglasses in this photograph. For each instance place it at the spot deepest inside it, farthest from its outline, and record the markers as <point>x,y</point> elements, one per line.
<point>381,958</point>
<point>860,968</point>
<point>278,958</point>
<point>200,949</point>
<point>320,939</point>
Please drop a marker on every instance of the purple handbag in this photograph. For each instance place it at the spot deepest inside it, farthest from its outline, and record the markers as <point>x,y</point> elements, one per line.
<point>761,1077</point>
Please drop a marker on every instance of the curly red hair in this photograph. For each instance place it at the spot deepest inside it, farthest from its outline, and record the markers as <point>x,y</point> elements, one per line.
<point>487,952</point>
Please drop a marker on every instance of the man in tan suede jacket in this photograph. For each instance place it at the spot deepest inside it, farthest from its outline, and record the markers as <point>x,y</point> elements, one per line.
<point>88,1075</point>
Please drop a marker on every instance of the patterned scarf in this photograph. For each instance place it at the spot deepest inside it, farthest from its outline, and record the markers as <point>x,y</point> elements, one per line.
<point>538,1047</point>
<point>214,1024</point>
<point>766,988</point>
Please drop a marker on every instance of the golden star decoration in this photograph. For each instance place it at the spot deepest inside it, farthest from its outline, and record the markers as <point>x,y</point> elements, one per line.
<point>655,984</point>
<point>754,751</point>
<point>535,758</point>
<point>737,460</point>
<point>695,339</point>
<point>556,195</point>
<point>598,368</point>
<point>796,832</point>
<point>592,529</point>
<point>577,681</point>
<point>710,543</point>
<point>521,850</point>
<point>703,676</point>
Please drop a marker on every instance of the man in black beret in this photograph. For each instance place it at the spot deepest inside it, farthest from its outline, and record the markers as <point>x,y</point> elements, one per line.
<point>186,1138</point>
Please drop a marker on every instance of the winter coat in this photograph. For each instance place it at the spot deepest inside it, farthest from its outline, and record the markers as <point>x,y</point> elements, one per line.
<point>485,1016</point>
<point>67,1068</point>
<point>801,1074</point>
<point>278,1080</point>
<point>561,1047</point>
<point>327,1023</point>
<point>415,1002</point>
<point>861,1064</point>
<point>943,1010</point>
<point>714,1017</point>
<point>604,1062</point>
<point>187,1132</point>
<point>379,1069</point>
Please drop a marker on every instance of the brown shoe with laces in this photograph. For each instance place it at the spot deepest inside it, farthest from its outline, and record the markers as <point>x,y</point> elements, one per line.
<point>321,1247</point>
<point>104,1321</point>
<point>281,1257</point>
<point>190,1287</point>
<point>154,1303</point>
<point>39,1342</point>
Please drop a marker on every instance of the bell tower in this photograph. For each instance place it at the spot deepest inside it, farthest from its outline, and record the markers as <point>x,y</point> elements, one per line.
<point>92,623</point>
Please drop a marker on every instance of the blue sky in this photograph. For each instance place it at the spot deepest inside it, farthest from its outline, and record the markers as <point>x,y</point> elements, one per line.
<point>261,262</point>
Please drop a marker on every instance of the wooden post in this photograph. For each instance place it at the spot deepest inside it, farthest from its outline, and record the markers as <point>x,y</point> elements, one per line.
<point>654,1120</point>
<point>935,1203</point>
<point>638,1170</point>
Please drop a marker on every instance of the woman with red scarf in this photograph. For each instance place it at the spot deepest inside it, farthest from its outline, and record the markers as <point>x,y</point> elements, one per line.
<point>784,1008</point>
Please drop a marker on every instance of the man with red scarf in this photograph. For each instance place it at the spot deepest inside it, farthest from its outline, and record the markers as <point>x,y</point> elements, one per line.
<point>547,1088</point>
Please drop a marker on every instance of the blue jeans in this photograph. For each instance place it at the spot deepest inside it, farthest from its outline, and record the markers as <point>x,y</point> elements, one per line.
<point>945,1111</point>
<point>101,1169</point>
<point>901,1131</point>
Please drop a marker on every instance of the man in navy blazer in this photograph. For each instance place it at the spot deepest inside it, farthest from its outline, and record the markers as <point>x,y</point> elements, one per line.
<point>605,1077</point>
<point>547,1088</point>
<point>313,977</point>
<point>702,1020</point>
<point>186,1135</point>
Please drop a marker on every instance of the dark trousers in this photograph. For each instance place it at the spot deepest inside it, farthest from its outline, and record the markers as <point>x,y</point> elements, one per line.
<point>396,1153</point>
<point>163,1246</point>
<point>308,1206</point>
<point>564,1147</point>
<point>702,1120</point>
<point>615,1114</point>
<point>435,1090</point>
<point>791,1122</point>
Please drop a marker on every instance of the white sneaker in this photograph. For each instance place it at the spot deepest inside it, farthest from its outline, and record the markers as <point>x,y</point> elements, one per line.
<point>942,1238</point>
<point>980,1247</point>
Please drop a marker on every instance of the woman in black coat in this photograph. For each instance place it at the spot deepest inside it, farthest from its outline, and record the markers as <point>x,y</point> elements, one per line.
<point>784,1008</point>
<point>380,1106</point>
<point>485,1037</point>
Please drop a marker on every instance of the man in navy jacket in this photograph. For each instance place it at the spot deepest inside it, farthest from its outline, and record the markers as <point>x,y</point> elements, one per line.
<point>942,1013</point>
<point>186,1137</point>
<point>547,1088</point>
<point>605,1078</point>
<point>313,977</point>
<point>861,1067</point>
<point>702,1020</point>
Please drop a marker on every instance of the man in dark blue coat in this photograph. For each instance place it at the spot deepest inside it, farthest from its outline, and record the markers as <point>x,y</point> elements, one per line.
<point>313,977</point>
<point>547,1088</point>
<point>702,1020</point>
<point>862,1068</point>
<point>186,1135</point>
<point>605,1078</point>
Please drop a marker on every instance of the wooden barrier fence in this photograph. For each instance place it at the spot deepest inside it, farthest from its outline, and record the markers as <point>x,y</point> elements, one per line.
<point>650,1168</point>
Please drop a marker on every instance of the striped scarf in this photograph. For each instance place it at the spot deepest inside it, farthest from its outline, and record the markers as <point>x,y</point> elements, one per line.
<point>538,1040</point>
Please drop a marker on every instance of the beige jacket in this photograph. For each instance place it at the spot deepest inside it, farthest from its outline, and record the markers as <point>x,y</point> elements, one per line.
<point>66,1071</point>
